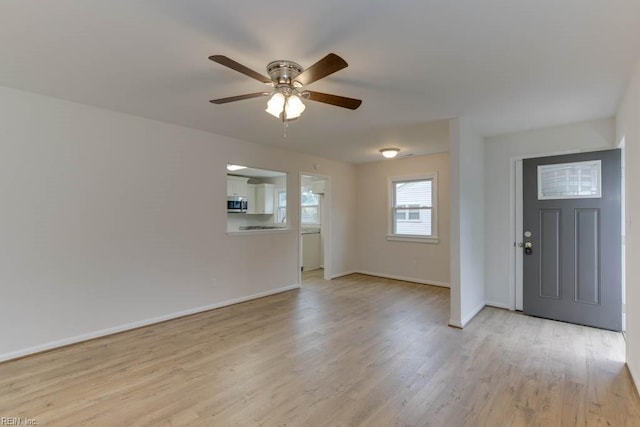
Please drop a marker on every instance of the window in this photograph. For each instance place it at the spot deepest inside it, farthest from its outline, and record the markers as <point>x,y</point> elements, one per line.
<point>579,180</point>
<point>413,209</point>
<point>310,211</point>
<point>281,206</point>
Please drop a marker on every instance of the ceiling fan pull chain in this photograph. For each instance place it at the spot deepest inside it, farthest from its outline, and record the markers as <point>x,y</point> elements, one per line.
<point>285,125</point>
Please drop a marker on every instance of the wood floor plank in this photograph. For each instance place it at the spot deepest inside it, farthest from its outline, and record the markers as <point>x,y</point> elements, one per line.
<point>355,351</point>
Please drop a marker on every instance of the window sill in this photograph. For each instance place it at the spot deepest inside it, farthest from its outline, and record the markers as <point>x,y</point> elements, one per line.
<point>413,239</point>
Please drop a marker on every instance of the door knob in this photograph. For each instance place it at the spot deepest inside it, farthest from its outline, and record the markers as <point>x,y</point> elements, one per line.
<point>528,248</point>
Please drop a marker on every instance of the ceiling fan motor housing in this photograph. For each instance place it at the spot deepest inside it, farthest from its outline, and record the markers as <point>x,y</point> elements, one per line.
<point>284,73</point>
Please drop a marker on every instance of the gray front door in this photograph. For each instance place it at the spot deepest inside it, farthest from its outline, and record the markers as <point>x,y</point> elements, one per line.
<point>572,238</point>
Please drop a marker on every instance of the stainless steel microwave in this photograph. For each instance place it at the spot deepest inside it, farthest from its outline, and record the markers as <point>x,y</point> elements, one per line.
<point>237,204</point>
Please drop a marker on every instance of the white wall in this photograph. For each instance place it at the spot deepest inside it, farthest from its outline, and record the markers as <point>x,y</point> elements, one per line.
<point>109,221</point>
<point>419,262</point>
<point>628,130</point>
<point>467,222</point>
<point>500,151</point>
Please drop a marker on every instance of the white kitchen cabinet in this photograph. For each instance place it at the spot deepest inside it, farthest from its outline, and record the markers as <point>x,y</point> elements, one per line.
<point>318,187</point>
<point>237,185</point>
<point>251,198</point>
<point>264,199</point>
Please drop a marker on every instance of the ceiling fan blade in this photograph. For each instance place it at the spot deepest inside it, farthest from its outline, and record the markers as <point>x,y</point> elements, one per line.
<point>228,62</point>
<point>339,101</point>
<point>327,65</point>
<point>238,98</point>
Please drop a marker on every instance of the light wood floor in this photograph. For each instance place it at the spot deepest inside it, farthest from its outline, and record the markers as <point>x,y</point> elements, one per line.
<point>358,351</point>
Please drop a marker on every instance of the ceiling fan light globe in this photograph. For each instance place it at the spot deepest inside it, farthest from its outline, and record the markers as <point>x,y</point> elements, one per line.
<point>294,107</point>
<point>275,105</point>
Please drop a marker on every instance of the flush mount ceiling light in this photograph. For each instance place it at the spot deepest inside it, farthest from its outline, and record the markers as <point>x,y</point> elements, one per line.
<point>287,79</point>
<point>390,153</point>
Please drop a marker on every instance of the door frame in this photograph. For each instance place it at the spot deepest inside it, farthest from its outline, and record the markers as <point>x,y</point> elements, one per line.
<point>516,225</point>
<point>325,228</point>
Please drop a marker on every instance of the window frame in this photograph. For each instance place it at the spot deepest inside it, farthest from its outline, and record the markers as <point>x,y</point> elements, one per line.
<point>391,209</point>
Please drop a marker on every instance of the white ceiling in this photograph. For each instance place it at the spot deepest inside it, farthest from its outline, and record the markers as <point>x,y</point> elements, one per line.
<point>506,64</point>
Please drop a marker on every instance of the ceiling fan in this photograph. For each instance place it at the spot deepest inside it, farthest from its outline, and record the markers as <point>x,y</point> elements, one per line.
<point>288,80</point>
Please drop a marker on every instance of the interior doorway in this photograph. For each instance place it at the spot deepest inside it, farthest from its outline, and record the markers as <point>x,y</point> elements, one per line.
<point>315,208</point>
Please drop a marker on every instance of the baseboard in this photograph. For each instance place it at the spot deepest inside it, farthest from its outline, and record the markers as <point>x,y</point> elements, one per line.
<point>405,279</point>
<point>462,323</point>
<point>498,305</point>
<point>455,324</point>
<point>473,314</point>
<point>344,273</point>
<point>134,325</point>
<point>635,378</point>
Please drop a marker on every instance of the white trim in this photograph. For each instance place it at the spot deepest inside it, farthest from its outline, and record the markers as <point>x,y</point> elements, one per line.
<point>498,305</point>
<point>344,273</point>
<point>468,318</point>
<point>635,378</point>
<point>473,314</point>
<point>134,325</point>
<point>405,279</point>
<point>455,324</point>
<point>518,260</point>
<point>623,225</point>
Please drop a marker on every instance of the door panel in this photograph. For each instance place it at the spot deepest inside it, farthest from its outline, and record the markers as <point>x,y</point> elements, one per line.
<point>587,261</point>
<point>549,282</point>
<point>573,270</point>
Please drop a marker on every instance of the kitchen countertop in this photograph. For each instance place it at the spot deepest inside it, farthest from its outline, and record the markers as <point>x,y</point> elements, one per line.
<point>261,227</point>
<point>264,231</point>
<point>309,231</point>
